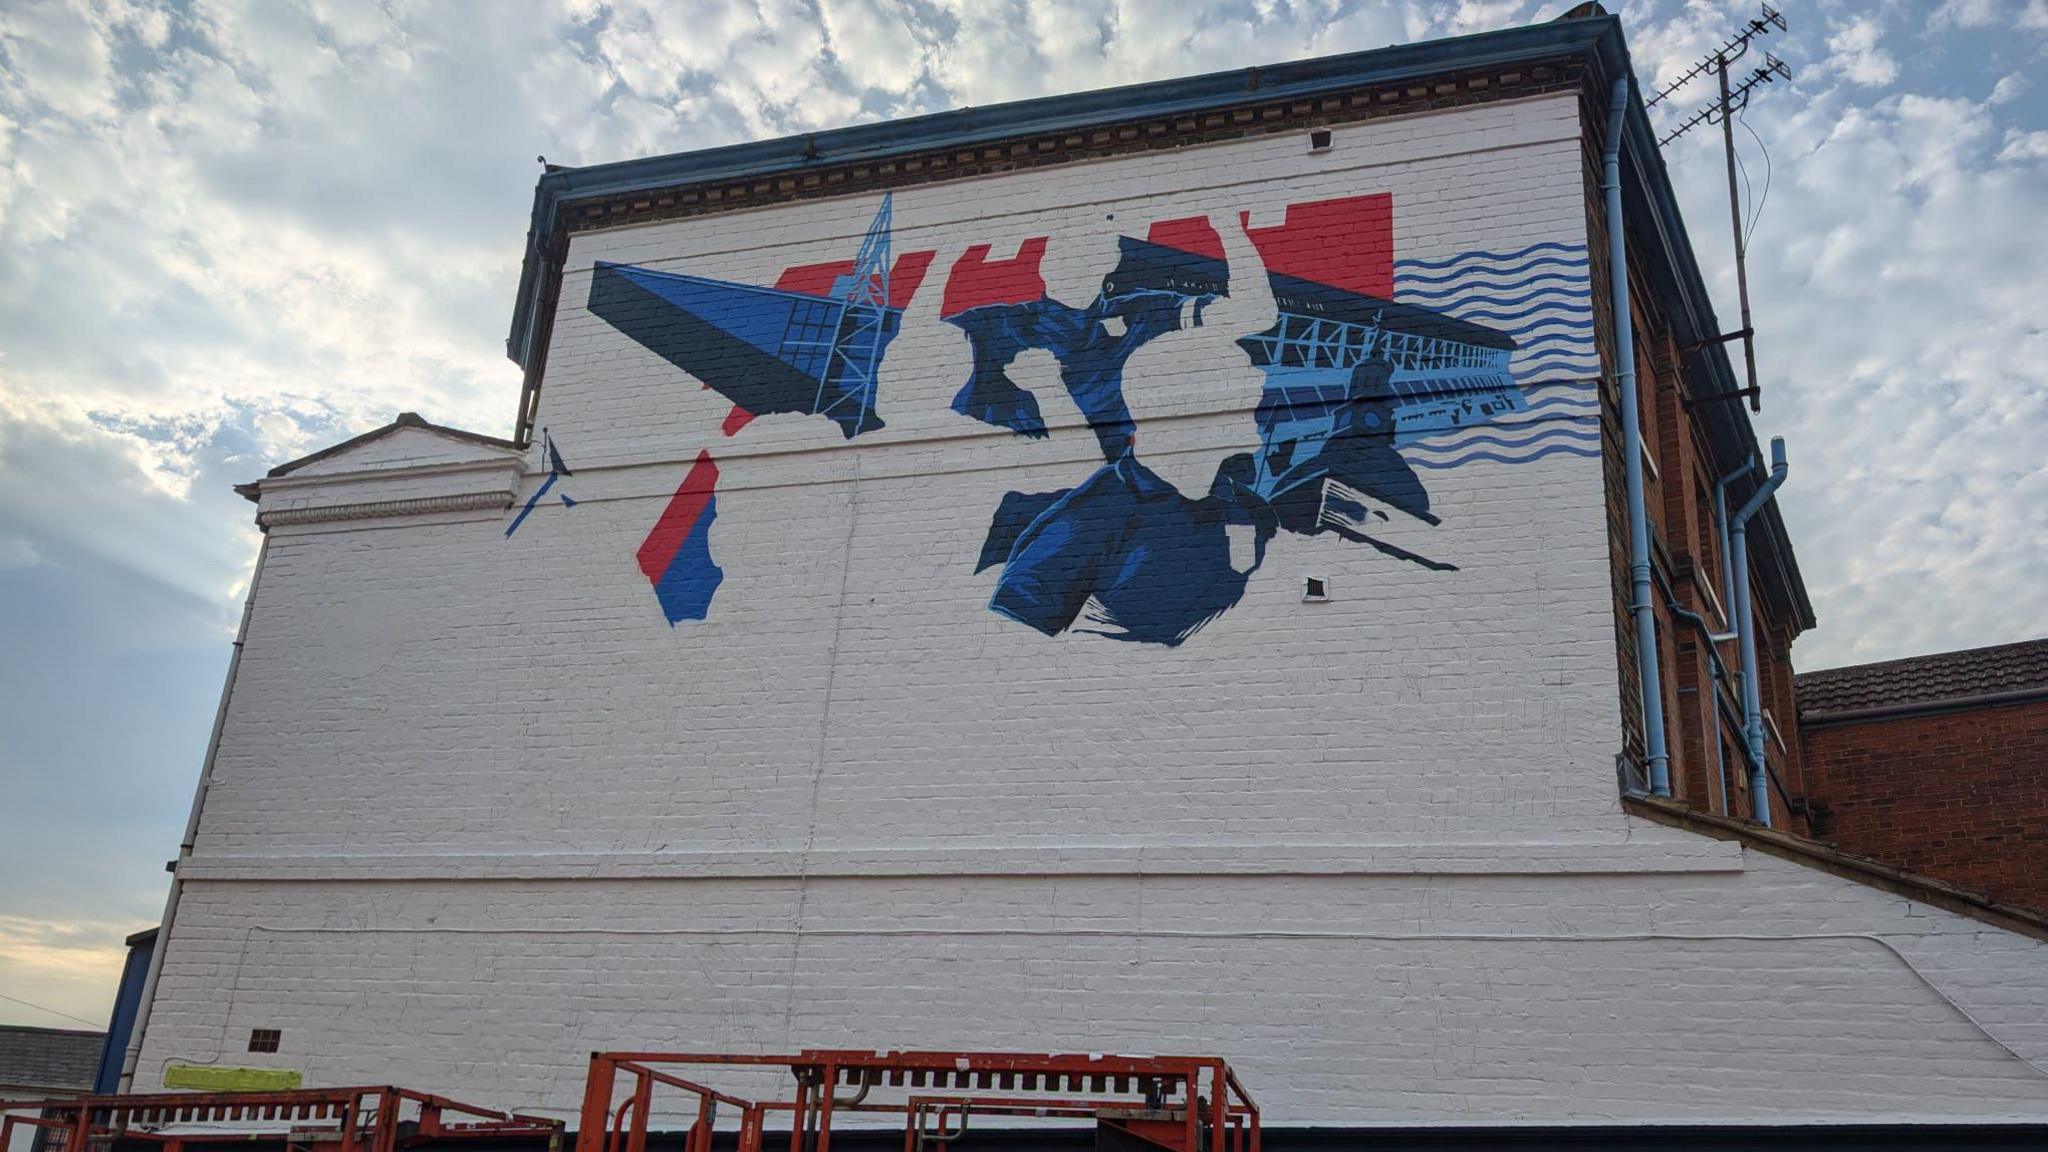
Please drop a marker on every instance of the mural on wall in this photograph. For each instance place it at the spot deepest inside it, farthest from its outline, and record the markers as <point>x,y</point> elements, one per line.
<point>1354,369</point>
<point>1367,373</point>
<point>812,344</point>
<point>556,470</point>
<point>1540,295</point>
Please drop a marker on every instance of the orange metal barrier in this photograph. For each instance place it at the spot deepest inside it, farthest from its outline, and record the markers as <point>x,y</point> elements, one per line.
<point>347,1119</point>
<point>1183,1104</point>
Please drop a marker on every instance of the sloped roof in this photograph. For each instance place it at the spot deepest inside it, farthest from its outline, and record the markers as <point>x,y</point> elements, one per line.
<point>55,1058</point>
<point>1945,676</point>
<point>404,420</point>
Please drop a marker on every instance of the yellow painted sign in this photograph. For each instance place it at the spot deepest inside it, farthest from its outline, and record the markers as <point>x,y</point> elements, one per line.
<point>214,1078</point>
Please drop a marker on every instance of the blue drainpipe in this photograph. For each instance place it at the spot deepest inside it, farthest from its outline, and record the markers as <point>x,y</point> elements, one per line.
<point>1745,629</point>
<point>1721,526</point>
<point>1632,450</point>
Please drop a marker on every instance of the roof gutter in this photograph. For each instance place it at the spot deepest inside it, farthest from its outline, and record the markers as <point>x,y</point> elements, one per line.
<point>1924,707</point>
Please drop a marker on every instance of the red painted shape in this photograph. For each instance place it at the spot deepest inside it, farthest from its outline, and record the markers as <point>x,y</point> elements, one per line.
<point>1189,234</point>
<point>735,420</point>
<point>813,279</point>
<point>666,538</point>
<point>975,280</point>
<point>1346,243</point>
<point>907,275</point>
<point>816,279</point>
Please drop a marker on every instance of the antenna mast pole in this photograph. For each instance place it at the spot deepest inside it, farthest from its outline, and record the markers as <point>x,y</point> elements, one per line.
<point>1732,100</point>
<point>1741,248</point>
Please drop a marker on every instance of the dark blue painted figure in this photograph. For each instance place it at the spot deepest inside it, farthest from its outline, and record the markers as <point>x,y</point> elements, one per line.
<point>1090,355</point>
<point>1157,564</point>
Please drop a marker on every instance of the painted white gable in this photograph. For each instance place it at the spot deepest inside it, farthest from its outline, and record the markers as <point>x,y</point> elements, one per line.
<point>407,447</point>
<point>410,467</point>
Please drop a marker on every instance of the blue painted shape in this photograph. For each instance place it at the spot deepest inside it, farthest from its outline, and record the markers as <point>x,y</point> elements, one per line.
<point>1091,358</point>
<point>1156,564</point>
<point>758,316</point>
<point>1508,257</point>
<point>686,588</point>
<point>531,501</point>
<point>1013,516</point>
<point>556,470</point>
<point>1590,452</point>
<point>764,349</point>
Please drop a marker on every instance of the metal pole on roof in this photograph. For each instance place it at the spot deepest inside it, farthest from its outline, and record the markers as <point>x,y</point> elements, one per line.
<point>1735,219</point>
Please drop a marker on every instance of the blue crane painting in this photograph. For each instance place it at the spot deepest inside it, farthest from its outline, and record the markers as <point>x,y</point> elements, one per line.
<point>811,344</point>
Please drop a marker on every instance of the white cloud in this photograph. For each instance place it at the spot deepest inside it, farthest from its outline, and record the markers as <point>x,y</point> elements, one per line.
<point>2030,15</point>
<point>2010,87</point>
<point>2022,147</point>
<point>1968,13</point>
<point>68,967</point>
<point>1858,56</point>
<point>1917,475</point>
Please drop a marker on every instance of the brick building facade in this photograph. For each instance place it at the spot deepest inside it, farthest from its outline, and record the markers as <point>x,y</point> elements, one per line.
<point>1936,763</point>
<point>1144,570</point>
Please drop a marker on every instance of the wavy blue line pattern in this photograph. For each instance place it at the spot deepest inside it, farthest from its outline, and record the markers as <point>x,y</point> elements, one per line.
<point>1590,453</point>
<point>1579,422</point>
<point>1541,295</point>
<point>1460,277</point>
<point>1496,257</point>
<point>1579,365</point>
<point>1458,286</point>
<point>1466,298</point>
<point>1540,440</point>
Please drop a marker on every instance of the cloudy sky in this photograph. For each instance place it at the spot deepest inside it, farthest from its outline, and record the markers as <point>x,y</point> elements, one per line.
<point>234,232</point>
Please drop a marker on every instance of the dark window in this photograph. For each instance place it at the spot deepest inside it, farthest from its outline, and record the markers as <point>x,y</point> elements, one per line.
<point>264,1039</point>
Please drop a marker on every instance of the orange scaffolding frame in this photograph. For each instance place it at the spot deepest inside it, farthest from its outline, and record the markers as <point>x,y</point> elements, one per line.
<point>342,1119</point>
<point>1177,1103</point>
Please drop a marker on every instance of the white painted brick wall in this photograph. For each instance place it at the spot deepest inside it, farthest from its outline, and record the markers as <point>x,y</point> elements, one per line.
<point>478,808</point>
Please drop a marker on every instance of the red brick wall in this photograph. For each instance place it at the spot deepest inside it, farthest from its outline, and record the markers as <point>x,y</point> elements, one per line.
<point>1959,796</point>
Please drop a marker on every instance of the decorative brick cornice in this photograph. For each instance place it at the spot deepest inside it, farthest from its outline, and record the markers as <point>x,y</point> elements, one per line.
<point>419,506</point>
<point>1144,134</point>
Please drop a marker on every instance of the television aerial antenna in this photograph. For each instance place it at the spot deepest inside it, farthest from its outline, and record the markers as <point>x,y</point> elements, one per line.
<point>1733,98</point>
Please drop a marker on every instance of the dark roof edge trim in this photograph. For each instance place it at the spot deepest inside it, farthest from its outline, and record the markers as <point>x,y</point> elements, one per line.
<point>1924,707</point>
<point>1826,858</point>
<point>1599,35</point>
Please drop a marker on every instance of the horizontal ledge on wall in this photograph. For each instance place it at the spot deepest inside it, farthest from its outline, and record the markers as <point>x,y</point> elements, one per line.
<point>1509,859</point>
<point>373,509</point>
